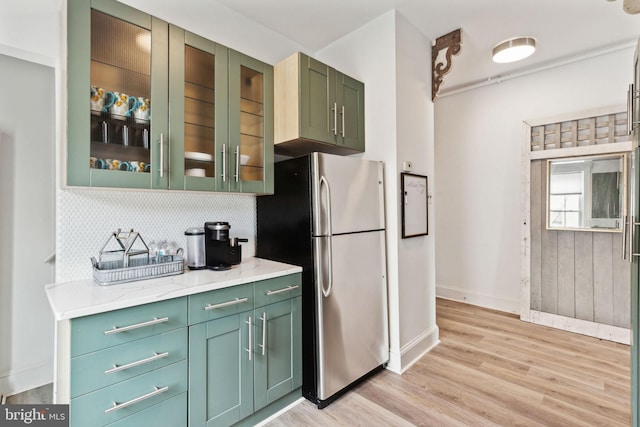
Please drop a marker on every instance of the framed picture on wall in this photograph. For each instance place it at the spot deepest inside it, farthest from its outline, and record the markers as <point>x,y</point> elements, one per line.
<point>414,195</point>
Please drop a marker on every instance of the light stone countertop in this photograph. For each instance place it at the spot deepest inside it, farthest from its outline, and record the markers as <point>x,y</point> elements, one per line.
<point>84,297</point>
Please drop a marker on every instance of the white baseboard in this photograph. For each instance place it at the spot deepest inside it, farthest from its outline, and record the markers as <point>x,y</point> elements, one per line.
<point>14,382</point>
<point>411,352</point>
<point>578,326</point>
<point>482,300</point>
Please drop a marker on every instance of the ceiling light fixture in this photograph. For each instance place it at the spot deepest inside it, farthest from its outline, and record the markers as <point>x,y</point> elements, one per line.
<point>514,49</point>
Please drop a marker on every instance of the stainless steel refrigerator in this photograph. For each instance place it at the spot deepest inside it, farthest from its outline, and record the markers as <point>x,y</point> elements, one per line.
<point>327,215</point>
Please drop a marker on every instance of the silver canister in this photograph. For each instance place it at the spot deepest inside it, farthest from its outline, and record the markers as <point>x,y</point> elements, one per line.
<point>195,248</point>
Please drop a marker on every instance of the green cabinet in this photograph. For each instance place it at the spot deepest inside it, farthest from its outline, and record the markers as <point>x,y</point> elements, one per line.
<point>244,362</point>
<point>277,343</point>
<point>116,60</point>
<point>127,361</point>
<point>317,108</point>
<point>220,371</point>
<point>216,358</point>
<point>250,154</point>
<point>168,109</point>
<point>198,93</point>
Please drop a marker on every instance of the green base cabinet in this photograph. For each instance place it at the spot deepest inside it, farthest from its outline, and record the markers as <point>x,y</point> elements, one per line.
<point>278,362</point>
<point>244,366</point>
<point>317,108</point>
<point>217,358</point>
<point>220,371</point>
<point>126,361</point>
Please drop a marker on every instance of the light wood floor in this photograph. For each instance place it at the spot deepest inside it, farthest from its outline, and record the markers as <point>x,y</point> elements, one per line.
<point>490,369</point>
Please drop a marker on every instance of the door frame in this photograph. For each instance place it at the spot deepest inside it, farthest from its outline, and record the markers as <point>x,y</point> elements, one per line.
<point>607,332</point>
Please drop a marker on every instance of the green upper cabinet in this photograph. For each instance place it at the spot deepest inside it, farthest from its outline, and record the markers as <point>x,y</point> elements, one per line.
<point>198,112</point>
<point>249,161</point>
<point>167,109</point>
<point>317,108</point>
<point>350,98</point>
<point>117,75</point>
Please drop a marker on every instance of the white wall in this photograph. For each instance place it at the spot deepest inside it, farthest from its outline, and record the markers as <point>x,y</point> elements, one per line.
<point>478,169</point>
<point>388,55</point>
<point>27,147</point>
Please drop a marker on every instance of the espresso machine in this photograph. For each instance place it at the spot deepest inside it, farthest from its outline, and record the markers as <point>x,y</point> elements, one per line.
<point>221,252</point>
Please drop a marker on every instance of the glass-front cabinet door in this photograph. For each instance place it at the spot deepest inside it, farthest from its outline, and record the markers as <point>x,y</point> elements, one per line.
<point>117,105</point>
<point>198,91</point>
<point>250,156</point>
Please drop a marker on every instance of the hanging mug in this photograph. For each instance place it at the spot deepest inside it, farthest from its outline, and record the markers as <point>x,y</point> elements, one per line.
<point>122,105</point>
<point>142,113</point>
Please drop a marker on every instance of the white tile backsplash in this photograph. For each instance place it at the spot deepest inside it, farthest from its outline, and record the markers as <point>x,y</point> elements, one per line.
<point>87,217</point>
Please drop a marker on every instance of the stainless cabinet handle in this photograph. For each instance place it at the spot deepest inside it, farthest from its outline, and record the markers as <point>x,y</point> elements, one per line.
<point>250,349</point>
<point>335,119</point>
<point>329,231</point>
<point>630,109</point>
<point>287,289</point>
<point>117,406</point>
<point>633,226</point>
<point>226,304</point>
<point>117,329</point>
<point>162,155</point>
<point>105,132</point>
<point>237,175</point>
<point>624,237</point>
<point>224,162</point>
<point>632,95</point>
<point>264,332</point>
<point>118,368</point>
<point>342,116</point>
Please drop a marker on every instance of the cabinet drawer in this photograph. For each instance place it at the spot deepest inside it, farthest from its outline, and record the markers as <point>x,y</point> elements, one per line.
<point>104,330</point>
<point>99,407</point>
<point>171,412</point>
<point>102,368</point>
<point>278,289</point>
<point>220,303</point>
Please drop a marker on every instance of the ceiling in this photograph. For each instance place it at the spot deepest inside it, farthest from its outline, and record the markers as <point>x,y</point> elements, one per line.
<point>563,28</point>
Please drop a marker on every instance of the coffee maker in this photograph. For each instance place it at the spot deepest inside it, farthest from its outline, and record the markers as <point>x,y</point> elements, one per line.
<point>220,251</point>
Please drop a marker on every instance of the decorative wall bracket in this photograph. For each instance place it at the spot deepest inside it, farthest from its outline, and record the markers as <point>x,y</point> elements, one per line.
<point>451,42</point>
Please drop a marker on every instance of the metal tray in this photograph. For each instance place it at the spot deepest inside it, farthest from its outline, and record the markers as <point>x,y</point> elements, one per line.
<point>112,272</point>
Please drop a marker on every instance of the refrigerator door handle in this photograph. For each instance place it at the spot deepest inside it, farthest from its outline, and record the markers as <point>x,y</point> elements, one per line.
<point>327,292</point>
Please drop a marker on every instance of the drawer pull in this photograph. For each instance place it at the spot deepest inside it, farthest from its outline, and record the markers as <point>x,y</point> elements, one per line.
<point>117,368</point>
<point>226,304</point>
<point>155,321</point>
<point>117,406</point>
<point>287,289</point>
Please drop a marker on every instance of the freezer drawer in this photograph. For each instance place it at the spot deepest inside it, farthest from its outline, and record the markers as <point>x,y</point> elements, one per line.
<point>351,295</point>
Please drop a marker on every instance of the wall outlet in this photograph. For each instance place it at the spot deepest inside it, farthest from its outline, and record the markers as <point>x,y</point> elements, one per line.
<point>407,165</point>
